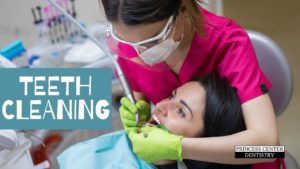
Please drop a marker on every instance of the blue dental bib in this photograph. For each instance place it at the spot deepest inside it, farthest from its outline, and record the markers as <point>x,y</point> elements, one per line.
<point>110,151</point>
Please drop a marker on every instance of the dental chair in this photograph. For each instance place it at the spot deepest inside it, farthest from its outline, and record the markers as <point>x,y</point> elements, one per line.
<point>275,66</point>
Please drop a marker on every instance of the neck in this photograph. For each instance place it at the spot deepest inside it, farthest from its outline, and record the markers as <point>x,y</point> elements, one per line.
<point>177,58</point>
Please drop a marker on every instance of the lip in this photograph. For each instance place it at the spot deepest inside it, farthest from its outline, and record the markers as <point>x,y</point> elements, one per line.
<point>158,115</point>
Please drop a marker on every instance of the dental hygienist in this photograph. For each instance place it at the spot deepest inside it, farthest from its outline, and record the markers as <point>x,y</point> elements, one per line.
<point>164,44</point>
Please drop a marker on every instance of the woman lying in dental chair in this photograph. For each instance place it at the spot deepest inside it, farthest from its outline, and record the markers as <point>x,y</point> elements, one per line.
<point>206,107</point>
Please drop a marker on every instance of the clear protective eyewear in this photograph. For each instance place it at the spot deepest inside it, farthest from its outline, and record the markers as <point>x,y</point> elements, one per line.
<point>147,43</point>
<point>130,51</point>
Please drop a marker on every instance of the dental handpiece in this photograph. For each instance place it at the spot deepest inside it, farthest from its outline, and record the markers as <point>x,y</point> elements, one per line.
<point>126,88</point>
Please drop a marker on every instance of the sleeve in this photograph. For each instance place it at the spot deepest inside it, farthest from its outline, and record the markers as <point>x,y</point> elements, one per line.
<point>240,66</point>
<point>127,67</point>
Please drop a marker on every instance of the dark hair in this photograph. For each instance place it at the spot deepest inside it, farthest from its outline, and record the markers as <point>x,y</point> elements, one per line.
<point>223,112</point>
<point>134,12</point>
<point>222,116</point>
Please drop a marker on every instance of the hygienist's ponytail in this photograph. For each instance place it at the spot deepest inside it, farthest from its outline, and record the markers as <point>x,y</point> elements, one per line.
<point>192,7</point>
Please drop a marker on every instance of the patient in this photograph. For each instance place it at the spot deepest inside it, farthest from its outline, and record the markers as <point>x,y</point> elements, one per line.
<point>206,107</point>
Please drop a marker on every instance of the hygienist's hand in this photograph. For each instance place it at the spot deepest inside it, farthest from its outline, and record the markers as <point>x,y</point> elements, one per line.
<point>128,111</point>
<point>154,144</point>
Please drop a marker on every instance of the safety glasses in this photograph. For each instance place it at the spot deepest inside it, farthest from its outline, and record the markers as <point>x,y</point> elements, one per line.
<point>147,43</point>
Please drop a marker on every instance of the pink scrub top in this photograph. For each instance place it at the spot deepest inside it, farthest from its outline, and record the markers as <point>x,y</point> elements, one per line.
<point>225,49</point>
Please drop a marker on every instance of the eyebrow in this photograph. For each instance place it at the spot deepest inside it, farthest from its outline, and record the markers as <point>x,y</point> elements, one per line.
<point>188,107</point>
<point>184,103</point>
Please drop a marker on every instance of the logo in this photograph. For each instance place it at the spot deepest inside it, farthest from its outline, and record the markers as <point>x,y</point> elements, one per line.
<point>259,152</point>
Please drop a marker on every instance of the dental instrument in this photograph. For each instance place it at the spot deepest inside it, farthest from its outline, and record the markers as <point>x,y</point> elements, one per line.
<point>39,9</point>
<point>35,20</point>
<point>38,26</point>
<point>122,78</point>
<point>74,14</point>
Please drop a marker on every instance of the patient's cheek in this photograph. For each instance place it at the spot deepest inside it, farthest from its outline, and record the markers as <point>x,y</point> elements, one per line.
<point>176,128</point>
<point>185,130</point>
<point>182,127</point>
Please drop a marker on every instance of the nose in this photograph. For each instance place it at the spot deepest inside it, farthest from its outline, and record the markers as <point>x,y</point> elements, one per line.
<point>165,107</point>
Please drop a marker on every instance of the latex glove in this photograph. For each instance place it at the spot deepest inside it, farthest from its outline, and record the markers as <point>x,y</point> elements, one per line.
<point>128,111</point>
<point>155,144</point>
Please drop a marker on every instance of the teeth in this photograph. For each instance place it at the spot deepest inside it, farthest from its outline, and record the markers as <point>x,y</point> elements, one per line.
<point>156,119</point>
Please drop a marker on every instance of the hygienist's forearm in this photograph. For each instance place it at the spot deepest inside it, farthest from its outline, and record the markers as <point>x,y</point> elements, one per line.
<point>139,96</point>
<point>221,149</point>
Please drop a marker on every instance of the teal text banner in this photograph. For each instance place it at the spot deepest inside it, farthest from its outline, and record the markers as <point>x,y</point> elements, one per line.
<point>55,98</point>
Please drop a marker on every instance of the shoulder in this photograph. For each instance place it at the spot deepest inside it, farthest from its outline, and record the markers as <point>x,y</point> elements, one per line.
<point>219,25</point>
<point>222,37</point>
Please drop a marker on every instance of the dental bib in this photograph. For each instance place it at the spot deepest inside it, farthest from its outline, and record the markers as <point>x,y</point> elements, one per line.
<point>107,151</point>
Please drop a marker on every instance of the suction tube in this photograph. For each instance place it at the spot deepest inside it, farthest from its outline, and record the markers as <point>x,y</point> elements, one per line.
<point>126,88</point>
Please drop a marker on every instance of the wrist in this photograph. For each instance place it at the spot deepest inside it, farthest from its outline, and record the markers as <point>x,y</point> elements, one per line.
<point>178,147</point>
<point>184,145</point>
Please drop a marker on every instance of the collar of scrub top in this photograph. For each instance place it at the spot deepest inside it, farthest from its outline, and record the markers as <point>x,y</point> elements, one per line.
<point>162,35</point>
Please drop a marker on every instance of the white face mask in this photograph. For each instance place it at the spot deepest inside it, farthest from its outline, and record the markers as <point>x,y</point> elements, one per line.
<point>159,52</point>
<point>155,54</point>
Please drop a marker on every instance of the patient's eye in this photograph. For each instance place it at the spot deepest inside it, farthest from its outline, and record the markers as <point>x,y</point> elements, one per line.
<point>181,112</point>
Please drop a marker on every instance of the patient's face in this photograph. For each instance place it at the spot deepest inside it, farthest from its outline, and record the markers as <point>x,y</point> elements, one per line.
<point>182,113</point>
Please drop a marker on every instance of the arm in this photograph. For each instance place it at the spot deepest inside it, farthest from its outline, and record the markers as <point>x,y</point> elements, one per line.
<point>139,96</point>
<point>261,127</point>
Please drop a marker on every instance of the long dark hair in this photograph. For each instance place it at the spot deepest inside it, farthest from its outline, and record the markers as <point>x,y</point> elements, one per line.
<point>222,116</point>
<point>223,112</point>
<point>134,12</point>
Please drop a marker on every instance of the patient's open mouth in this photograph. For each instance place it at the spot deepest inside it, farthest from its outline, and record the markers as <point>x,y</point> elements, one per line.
<point>154,120</point>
